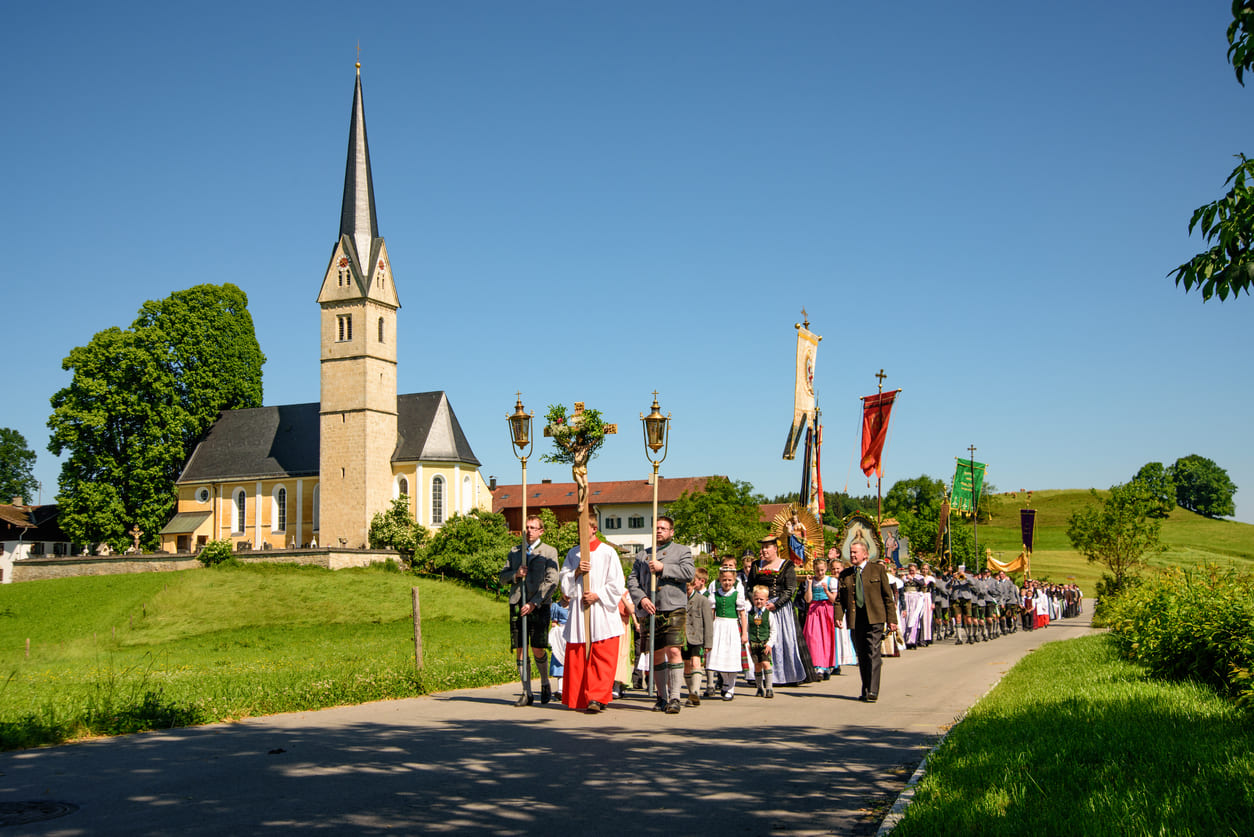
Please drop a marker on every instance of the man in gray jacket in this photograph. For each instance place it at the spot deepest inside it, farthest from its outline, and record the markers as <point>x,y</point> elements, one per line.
<point>669,572</point>
<point>532,575</point>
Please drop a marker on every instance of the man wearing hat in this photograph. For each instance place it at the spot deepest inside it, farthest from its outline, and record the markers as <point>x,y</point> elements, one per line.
<point>867,599</point>
<point>658,585</point>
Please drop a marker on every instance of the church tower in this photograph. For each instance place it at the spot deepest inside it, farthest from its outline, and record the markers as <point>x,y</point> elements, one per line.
<point>358,408</point>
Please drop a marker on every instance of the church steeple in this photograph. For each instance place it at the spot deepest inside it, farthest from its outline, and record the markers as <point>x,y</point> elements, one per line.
<point>357,218</point>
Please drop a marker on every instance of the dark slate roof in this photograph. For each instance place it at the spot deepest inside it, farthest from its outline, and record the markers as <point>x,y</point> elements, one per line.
<point>31,523</point>
<point>185,523</point>
<point>273,442</point>
<point>428,430</point>
<point>258,443</point>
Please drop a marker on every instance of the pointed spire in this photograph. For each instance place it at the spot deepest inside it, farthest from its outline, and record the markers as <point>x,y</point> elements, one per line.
<point>357,218</point>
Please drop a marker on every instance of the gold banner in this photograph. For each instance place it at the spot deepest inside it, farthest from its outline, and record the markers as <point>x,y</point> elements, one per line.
<point>803,393</point>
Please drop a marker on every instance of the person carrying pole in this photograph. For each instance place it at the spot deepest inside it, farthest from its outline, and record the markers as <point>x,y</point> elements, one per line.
<point>532,572</point>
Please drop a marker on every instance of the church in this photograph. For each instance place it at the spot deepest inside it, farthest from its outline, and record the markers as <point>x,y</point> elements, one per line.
<point>305,475</point>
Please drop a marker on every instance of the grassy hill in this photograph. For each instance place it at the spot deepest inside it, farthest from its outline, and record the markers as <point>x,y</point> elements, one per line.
<point>1188,538</point>
<point>113,654</point>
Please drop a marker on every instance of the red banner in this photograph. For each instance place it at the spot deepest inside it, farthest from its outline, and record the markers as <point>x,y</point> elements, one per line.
<point>875,410</point>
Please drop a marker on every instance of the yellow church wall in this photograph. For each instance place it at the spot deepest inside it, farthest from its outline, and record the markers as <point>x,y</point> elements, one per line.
<point>463,489</point>
<point>260,514</point>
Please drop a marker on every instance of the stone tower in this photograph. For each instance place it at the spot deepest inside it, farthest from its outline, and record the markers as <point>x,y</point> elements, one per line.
<point>357,415</point>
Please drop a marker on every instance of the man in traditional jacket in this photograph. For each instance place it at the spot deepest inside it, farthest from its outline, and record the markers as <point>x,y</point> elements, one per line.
<point>659,586</point>
<point>533,578</point>
<point>867,599</point>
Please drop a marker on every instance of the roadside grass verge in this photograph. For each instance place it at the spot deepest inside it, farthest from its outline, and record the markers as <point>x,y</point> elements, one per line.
<point>1074,740</point>
<point>209,645</point>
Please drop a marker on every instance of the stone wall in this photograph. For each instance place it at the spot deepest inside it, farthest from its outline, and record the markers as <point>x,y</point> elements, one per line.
<point>37,569</point>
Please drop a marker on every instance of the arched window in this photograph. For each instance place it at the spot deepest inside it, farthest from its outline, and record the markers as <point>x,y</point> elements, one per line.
<point>437,501</point>
<point>239,511</point>
<point>467,500</point>
<point>402,487</point>
<point>278,510</point>
<point>380,329</point>
<point>315,508</point>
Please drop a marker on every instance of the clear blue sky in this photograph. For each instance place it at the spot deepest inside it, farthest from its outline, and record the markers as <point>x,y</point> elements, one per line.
<point>590,201</point>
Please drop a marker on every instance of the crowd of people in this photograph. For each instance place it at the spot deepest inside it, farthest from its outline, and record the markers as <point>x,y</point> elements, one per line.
<point>596,632</point>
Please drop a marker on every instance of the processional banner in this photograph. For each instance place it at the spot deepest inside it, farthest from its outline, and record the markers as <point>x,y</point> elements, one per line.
<point>803,391</point>
<point>875,413</point>
<point>1027,527</point>
<point>968,482</point>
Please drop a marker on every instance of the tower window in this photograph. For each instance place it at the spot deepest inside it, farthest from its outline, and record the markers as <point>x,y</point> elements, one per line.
<point>344,323</point>
<point>380,329</point>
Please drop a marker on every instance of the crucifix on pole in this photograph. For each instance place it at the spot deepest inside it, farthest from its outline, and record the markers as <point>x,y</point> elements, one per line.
<point>578,437</point>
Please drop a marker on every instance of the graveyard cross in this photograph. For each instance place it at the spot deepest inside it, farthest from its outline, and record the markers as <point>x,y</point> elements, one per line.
<point>135,534</point>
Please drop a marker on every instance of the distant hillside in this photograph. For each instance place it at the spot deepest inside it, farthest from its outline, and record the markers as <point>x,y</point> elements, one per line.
<point>1189,538</point>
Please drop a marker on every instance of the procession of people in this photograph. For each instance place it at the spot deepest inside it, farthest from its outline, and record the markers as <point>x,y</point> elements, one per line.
<point>762,620</point>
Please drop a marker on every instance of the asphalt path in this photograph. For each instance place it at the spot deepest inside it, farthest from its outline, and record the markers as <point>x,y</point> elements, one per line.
<point>814,760</point>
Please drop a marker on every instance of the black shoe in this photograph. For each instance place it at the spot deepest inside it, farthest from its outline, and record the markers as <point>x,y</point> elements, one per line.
<point>659,706</point>
<point>761,692</point>
<point>827,675</point>
<point>525,699</point>
<point>546,694</point>
<point>595,706</point>
<point>770,693</point>
<point>673,707</point>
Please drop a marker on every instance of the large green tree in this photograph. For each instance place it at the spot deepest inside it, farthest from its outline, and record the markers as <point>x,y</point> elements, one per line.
<point>1117,532</point>
<point>1157,481</point>
<point>1227,224</point>
<point>725,514</point>
<point>17,464</point>
<point>1203,487</point>
<point>138,400</point>
<point>921,496</point>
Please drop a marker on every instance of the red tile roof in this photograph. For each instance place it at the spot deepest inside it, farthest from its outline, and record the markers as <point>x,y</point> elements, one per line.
<point>768,511</point>
<point>556,494</point>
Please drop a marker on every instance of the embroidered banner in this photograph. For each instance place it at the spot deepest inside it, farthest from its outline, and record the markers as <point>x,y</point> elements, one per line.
<point>875,412</point>
<point>803,391</point>
<point>968,482</point>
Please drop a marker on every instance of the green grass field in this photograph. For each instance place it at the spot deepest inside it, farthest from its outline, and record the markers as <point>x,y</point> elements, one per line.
<point>1074,740</point>
<point>112,654</point>
<point>1188,539</point>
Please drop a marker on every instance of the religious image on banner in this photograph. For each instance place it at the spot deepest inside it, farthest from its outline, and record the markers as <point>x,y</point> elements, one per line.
<point>803,390</point>
<point>875,412</point>
<point>968,482</point>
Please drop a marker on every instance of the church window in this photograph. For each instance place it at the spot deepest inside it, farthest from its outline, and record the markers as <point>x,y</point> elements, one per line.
<point>345,323</point>
<point>239,512</point>
<point>380,329</point>
<point>315,508</point>
<point>402,487</point>
<point>278,512</point>
<point>437,500</point>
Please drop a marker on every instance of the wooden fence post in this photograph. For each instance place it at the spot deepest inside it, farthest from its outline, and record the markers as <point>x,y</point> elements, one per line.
<point>417,631</point>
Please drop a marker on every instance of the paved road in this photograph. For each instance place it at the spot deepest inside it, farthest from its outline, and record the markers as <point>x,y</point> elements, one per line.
<point>812,761</point>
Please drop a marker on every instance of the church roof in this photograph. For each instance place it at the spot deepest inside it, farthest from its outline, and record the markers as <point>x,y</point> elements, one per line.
<point>357,215</point>
<point>282,441</point>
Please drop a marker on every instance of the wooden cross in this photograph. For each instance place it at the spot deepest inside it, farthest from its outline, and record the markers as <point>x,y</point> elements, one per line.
<point>579,470</point>
<point>135,534</point>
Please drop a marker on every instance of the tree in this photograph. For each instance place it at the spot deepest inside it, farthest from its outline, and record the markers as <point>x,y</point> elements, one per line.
<point>138,400</point>
<point>1228,266</point>
<point>1203,487</point>
<point>725,514</point>
<point>397,529</point>
<point>921,497</point>
<point>17,463</point>
<point>1158,483</point>
<point>1117,532</point>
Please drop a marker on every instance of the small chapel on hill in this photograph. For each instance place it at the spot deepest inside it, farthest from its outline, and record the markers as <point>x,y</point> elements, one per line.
<point>301,475</point>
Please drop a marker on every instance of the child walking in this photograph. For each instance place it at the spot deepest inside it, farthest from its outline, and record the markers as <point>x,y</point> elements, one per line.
<point>557,647</point>
<point>763,634</point>
<point>730,631</point>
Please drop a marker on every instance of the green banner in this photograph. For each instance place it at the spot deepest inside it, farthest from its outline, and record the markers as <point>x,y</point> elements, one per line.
<point>968,482</point>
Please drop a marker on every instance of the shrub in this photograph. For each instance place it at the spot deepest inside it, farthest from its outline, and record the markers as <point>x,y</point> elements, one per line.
<point>1190,625</point>
<point>215,552</point>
